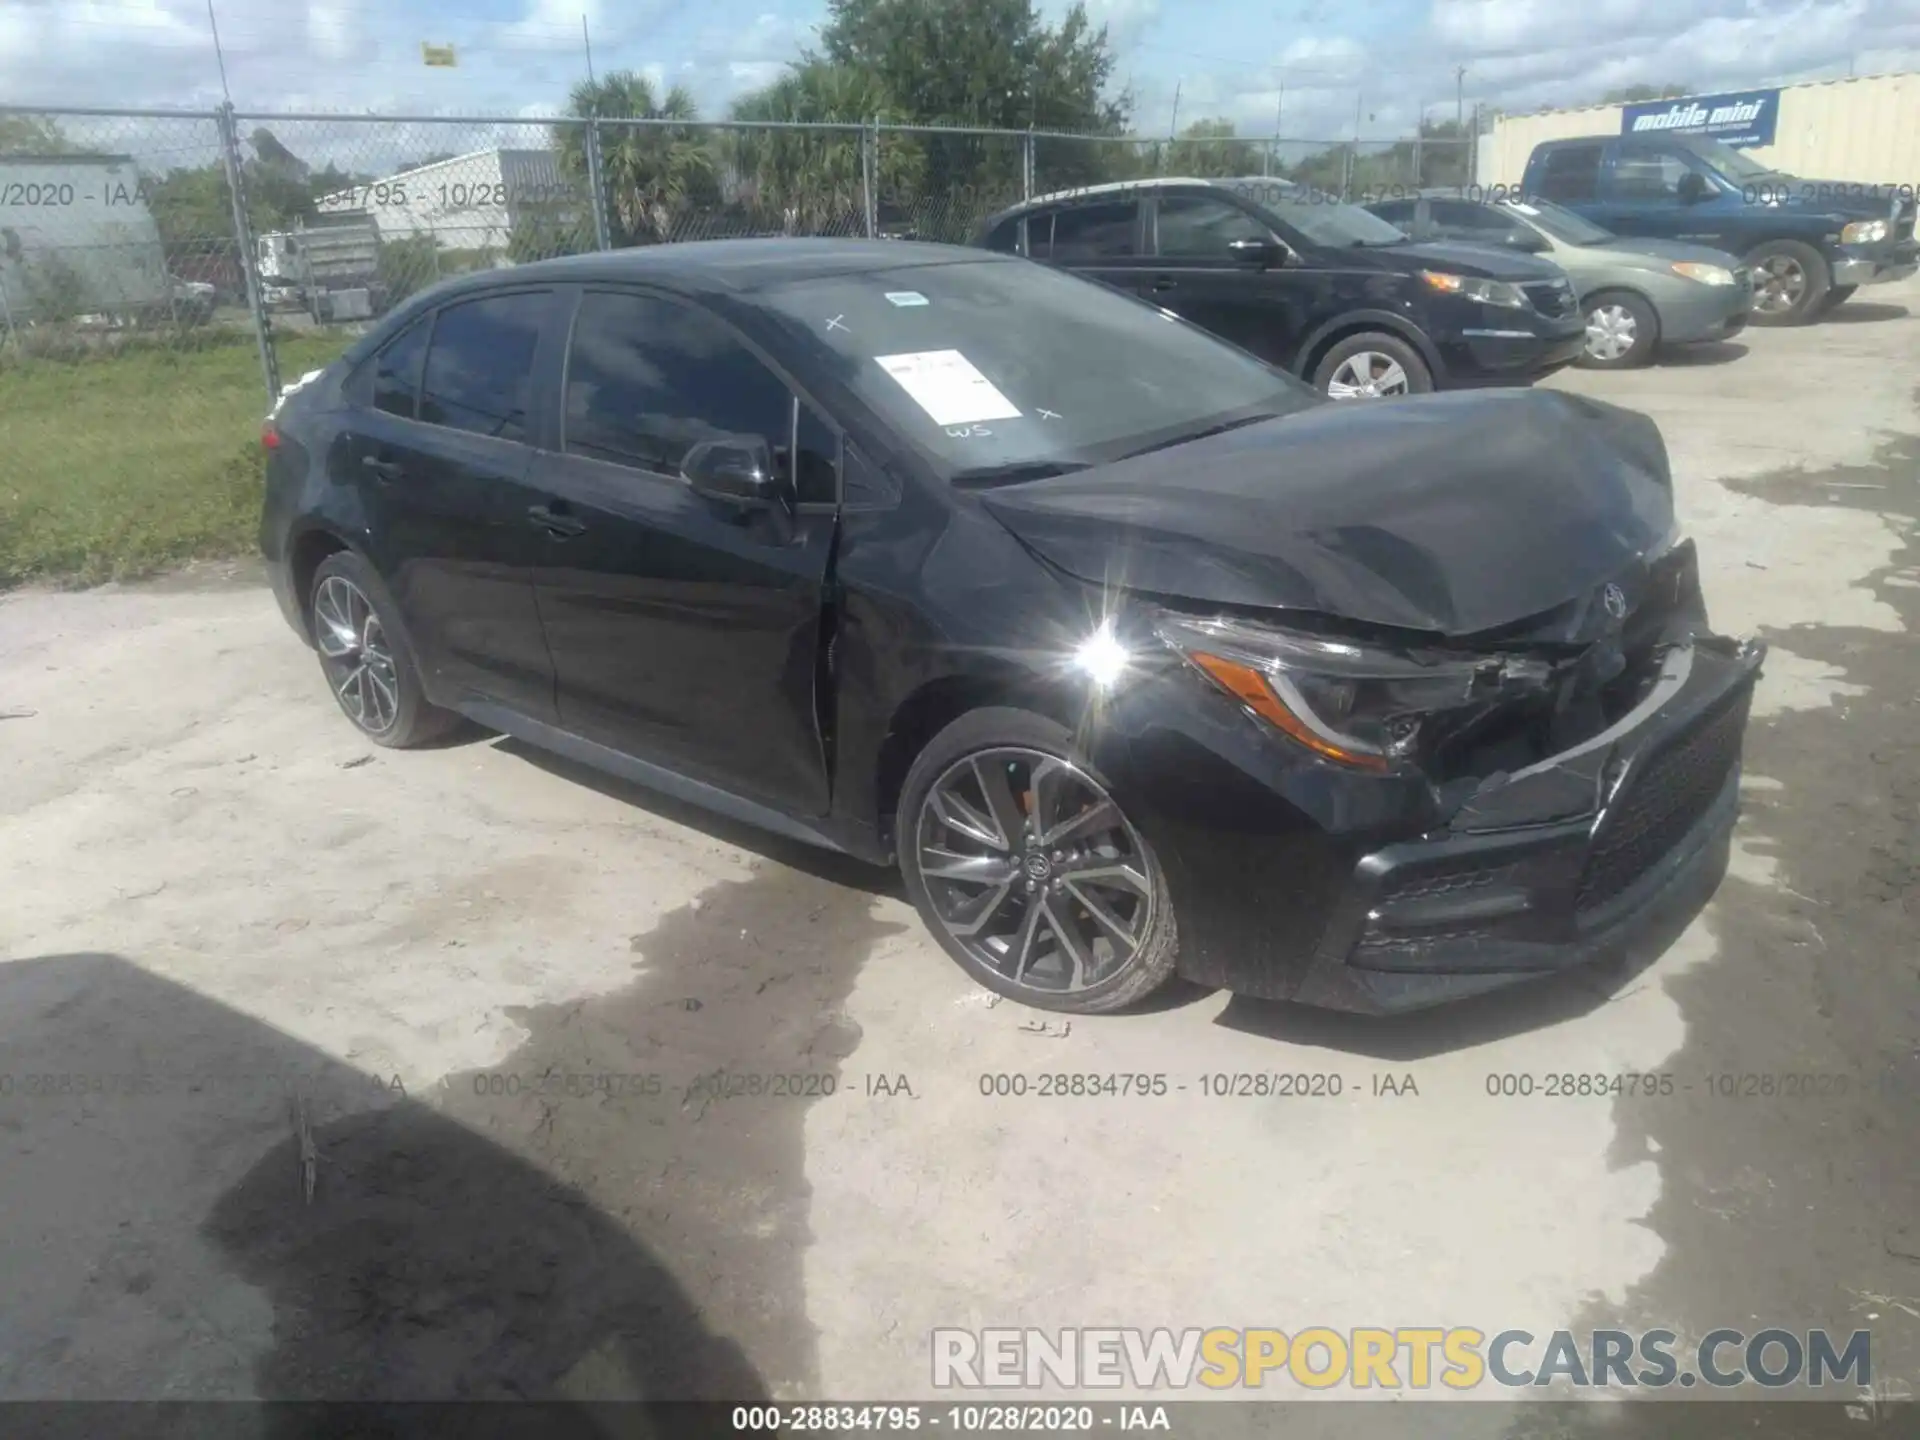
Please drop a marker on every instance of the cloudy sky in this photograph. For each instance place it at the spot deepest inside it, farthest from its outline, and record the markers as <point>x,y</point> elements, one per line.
<point>1314,64</point>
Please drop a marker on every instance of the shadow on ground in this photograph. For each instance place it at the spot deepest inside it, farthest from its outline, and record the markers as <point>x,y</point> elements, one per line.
<point>1714,352</point>
<point>1790,1161</point>
<point>617,1211</point>
<point>1864,312</point>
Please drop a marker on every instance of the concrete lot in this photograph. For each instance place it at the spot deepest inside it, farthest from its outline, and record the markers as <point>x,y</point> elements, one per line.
<point>210,884</point>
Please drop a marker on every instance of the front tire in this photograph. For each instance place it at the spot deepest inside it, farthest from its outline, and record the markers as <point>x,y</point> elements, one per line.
<point>365,656</point>
<point>1027,871</point>
<point>1622,330</point>
<point>1372,366</point>
<point>1791,282</point>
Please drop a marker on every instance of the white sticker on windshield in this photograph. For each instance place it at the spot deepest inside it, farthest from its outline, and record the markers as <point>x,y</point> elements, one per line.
<point>948,387</point>
<point>906,297</point>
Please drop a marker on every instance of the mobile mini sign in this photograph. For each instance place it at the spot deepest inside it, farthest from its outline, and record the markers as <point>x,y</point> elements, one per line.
<point>1743,119</point>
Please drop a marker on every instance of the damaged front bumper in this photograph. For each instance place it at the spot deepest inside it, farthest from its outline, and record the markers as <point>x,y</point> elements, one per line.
<point>1555,865</point>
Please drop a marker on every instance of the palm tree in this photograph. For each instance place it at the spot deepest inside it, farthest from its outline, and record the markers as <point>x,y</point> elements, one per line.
<point>655,174</point>
<point>812,181</point>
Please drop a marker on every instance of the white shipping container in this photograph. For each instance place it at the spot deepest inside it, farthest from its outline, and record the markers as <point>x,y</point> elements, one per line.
<point>77,238</point>
<point>1865,130</point>
<point>470,202</point>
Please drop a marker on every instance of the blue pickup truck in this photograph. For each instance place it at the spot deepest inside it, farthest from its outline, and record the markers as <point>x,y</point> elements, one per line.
<point>1811,243</point>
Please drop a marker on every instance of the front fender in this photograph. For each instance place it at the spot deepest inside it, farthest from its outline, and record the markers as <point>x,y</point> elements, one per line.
<point>1369,319</point>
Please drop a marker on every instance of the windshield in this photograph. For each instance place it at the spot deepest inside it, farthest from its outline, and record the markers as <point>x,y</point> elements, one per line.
<point>999,371</point>
<point>1725,159</point>
<point>1562,225</point>
<point>1319,216</point>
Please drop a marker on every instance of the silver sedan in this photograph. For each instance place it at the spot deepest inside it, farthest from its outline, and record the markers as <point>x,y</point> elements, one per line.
<point>1638,294</point>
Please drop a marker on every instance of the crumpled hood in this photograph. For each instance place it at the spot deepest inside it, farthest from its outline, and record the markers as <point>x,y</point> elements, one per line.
<point>1452,513</point>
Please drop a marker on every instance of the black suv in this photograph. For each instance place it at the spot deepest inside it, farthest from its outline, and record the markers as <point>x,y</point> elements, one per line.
<point>1308,283</point>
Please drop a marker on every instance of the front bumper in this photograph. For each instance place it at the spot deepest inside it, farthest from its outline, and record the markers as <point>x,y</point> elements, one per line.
<point>1876,265</point>
<point>1505,353</point>
<point>1704,312</point>
<point>1553,866</point>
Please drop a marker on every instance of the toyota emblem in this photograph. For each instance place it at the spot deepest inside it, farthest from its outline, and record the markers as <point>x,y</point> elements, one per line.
<point>1615,599</point>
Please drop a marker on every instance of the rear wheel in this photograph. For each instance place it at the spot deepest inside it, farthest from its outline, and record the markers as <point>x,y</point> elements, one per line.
<point>1371,366</point>
<point>1622,330</point>
<point>367,662</point>
<point>1027,870</point>
<point>1791,282</point>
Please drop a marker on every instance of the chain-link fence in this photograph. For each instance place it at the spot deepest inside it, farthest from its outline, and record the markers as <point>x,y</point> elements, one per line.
<point>162,274</point>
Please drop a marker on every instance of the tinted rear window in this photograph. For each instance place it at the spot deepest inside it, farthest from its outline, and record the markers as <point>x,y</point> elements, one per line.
<point>479,373</point>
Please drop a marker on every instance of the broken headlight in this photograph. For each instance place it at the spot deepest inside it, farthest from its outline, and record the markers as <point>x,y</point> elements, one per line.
<point>1357,705</point>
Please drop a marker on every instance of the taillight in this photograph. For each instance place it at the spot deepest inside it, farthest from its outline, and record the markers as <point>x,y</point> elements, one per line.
<point>269,436</point>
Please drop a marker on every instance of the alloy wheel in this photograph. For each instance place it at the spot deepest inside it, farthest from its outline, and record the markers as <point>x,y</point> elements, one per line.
<point>1611,331</point>
<point>1033,871</point>
<point>355,655</point>
<point>1780,281</point>
<point>1367,375</point>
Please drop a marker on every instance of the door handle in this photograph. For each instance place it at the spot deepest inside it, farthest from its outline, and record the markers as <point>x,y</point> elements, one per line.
<point>1164,282</point>
<point>560,526</point>
<point>386,470</point>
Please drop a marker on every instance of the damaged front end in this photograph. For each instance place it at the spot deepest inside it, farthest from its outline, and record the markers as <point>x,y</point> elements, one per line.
<point>1575,768</point>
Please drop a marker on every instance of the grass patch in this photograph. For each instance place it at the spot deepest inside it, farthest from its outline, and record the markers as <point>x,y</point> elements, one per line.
<point>118,464</point>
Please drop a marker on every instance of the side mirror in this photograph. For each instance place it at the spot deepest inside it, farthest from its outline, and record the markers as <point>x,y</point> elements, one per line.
<point>736,470</point>
<point>1263,253</point>
<point>1693,188</point>
<point>1526,240</point>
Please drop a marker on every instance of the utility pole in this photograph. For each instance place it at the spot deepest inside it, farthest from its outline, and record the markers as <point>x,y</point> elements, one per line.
<point>1460,101</point>
<point>1173,128</point>
<point>587,40</point>
<point>218,54</point>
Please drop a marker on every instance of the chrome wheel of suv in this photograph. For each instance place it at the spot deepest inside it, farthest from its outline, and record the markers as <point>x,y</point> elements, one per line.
<point>1367,375</point>
<point>1033,871</point>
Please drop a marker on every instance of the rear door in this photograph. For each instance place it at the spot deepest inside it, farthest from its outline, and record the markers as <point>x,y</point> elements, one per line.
<point>1569,174</point>
<point>684,631</point>
<point>1101,239</point>
<point>1197,276</point>
<point>438,454</point>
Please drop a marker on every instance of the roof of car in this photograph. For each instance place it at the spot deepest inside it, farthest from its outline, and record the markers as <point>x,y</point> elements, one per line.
<point>730,266</point>
<point>1151,182</point>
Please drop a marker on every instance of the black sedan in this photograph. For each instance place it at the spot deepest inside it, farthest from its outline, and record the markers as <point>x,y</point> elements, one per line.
<point>1320,288</point>
<point>1136,655</point>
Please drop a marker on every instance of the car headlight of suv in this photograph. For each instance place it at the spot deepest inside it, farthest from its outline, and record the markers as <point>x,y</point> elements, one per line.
<point>1472,287</point>
<point>1706,274</point>
<point>1356,705</point>
<point>1863,232</point>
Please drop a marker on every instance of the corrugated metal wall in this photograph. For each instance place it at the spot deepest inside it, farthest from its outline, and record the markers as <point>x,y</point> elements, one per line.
<point>1866,129</point>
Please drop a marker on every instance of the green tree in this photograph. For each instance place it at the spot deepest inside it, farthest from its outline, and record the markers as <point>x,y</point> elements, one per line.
<point>1638,94</point>
<point>410,264</point>
<point>1211,148</point>
<point>654,174</point>
<point>813,181</point>
<point>991,64</point>
<point>543,229</point>
<point>33,135</point>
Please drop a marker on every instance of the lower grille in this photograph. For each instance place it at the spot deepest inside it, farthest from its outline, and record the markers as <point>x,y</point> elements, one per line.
<point>1552,298</point>
<point>1657,809</point>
